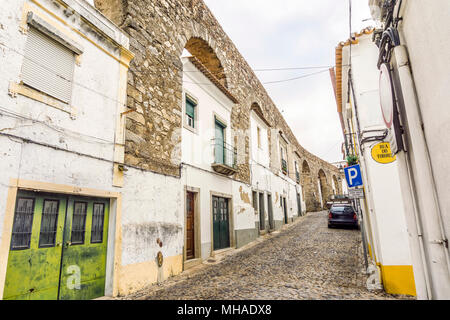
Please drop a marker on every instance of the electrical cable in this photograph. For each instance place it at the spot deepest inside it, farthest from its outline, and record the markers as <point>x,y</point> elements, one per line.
<point>9,113</point>
<point>269,82</point>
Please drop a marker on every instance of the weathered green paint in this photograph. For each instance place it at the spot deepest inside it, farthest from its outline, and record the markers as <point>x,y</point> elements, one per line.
<point>36,273</point>
<point>221,227</point>
<point>88,260</point>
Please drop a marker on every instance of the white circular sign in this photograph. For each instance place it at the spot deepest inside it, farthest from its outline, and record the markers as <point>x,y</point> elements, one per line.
<point>386,95</point>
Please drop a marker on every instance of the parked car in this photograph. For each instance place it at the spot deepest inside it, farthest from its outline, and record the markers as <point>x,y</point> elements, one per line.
<point>337,199</point>
<point>342,215</point>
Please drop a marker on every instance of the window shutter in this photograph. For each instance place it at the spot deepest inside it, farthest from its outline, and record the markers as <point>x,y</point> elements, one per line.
<point>48,66</point>
<point>190,108</point>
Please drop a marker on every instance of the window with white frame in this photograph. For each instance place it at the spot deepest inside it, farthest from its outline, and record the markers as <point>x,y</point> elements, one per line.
<point>191,109</point>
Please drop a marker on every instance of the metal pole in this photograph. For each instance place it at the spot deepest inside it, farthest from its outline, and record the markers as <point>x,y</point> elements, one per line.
<point>363,233</point>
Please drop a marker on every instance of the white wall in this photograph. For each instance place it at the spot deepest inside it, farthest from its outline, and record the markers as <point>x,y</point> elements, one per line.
<point>92,132</point>
<point>382,182</point>
<point>429,54</point>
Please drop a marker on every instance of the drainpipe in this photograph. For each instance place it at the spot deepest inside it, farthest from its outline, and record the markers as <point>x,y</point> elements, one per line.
<point>435,255</point>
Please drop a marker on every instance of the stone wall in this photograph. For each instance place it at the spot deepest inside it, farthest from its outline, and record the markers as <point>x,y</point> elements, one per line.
<point>159,31</point>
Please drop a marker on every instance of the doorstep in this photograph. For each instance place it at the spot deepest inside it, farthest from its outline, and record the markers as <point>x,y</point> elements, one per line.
<point>192,263</point>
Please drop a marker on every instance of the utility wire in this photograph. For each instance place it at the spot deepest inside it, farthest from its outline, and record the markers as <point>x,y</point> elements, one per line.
<point>11,114</point>
<point>269,82</point>
<point>279,69</point>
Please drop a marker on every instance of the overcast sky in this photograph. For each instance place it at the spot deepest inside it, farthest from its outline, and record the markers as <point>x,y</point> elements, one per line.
<point>295,33</point>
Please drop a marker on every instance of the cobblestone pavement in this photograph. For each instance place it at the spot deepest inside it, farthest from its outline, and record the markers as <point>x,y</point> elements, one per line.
<point>306,260</point>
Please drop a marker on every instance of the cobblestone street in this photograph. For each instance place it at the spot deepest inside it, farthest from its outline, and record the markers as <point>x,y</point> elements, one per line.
<point>306,260</point>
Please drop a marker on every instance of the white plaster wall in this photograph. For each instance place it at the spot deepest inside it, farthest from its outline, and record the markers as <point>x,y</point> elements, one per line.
<point>92,132</point>
<point>207,183</point>
<point>197,148</point>
<point>95,92</point>
<point>428,44</point>
<point>244,216</point>
<point>386,193</point>
<point>389,224</point>
<point>197,154</point>
<point>152,208</point>
<point>259,154</point>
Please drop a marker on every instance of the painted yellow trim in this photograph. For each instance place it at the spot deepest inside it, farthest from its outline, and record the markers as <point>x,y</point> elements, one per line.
<point>6,235</point>
<point>40,13</point>
<point>15,184</point>
<point>61,188</point>
<point>398,279</point>
<point>119,146</point>
<point>18,88</point>
<point>120,60</point>
<point>134,277</point>
<point>117,247</point>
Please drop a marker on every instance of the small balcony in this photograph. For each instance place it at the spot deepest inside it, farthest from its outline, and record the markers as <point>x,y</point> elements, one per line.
<point>284,166</point>
<point>225,158</point>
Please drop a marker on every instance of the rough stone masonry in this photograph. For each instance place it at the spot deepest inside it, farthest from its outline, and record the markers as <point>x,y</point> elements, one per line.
<point>159,30</point>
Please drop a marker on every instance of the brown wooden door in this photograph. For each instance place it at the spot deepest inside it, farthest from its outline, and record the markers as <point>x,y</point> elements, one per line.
<point>190,234</point>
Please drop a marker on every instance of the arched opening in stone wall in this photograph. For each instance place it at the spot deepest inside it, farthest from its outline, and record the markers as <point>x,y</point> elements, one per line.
<point>335,185</point>
<point>203,52</point>
<point>323,188</point>
<point>307,187</point>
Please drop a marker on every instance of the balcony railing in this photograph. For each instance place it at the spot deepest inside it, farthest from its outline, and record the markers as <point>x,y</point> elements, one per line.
<point>225,157</point>
<point>284,166</point>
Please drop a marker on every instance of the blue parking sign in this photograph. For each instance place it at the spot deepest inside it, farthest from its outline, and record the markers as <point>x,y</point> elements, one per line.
<point>353,176</point>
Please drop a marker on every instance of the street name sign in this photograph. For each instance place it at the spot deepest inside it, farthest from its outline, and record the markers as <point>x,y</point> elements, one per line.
<point>353,176</point>
<point>382,153</point>
<point>356,193</point>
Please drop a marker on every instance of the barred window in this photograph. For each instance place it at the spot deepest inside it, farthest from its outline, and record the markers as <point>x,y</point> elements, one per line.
<point>98,216</point>
<point>79,222</point>
<point>49,223</point>
<point>23,223</point>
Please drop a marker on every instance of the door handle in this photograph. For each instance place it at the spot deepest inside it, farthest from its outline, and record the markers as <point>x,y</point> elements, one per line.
<point>68,244</point>
<point>58,244</point>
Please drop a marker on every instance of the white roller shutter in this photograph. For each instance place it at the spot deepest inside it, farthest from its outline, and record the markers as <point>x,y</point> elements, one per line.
<point>48,66</point>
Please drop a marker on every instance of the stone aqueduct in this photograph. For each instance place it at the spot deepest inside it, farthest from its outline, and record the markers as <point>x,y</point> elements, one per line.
<point>159,31</point>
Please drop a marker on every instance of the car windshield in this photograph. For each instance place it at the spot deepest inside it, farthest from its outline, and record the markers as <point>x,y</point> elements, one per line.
<point>342,209</point>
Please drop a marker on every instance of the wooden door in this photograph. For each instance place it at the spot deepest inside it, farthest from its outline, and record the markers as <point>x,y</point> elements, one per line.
<point>190,233</point>
<point>58,247</point>
<point>270,209</point>
<point>83,267</point>
<point>35,252</point>
<point>262,225</point>
<point>221,229</point>
<point>283,199</point>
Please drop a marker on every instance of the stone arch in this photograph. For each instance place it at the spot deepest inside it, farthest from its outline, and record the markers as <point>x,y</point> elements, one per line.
<point>201,50</point>
<point>336,185</point>
<point>309,195</point>
<point>323,188</point>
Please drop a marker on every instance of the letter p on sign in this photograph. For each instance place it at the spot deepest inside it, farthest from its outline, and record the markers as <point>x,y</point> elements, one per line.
<point>353,176</point>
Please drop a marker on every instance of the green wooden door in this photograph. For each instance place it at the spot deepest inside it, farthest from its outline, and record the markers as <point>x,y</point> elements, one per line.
<point>219,143</point>
<point>38,258</point>
<point>35,252</point>
<point>84,256</point>
<point>221,226</point>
